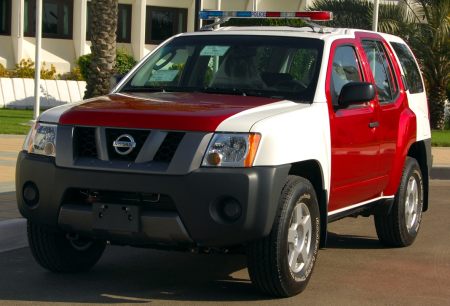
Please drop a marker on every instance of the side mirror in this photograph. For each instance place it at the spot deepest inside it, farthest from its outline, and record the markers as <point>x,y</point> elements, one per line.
<point>115,79</point>
<point>356,93</point>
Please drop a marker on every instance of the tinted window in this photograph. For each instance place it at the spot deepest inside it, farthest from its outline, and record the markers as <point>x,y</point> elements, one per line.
<point>56,18</point>
<point>123,23</point>
<point>164,22</point>
<point>5,16</point>
<point>265,66</point>
<point>412,74</point>
<point>381,70</point>
<point>345,70</point>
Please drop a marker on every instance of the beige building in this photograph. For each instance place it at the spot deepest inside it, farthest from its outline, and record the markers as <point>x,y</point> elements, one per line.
<point>142,24</point>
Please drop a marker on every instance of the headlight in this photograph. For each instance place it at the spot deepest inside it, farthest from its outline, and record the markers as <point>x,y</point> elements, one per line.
<point>41,139</point>
<point>231,150</point>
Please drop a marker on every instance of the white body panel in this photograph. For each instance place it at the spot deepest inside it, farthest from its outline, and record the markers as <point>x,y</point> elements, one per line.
<point>243,121</point>
<point>418,101</point>
<point>298,135</point>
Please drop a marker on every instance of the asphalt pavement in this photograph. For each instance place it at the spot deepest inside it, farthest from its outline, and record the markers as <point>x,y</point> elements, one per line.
<point>355,269</point>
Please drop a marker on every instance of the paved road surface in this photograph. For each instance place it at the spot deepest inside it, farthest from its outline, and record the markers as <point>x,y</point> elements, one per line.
<point>355,269</point>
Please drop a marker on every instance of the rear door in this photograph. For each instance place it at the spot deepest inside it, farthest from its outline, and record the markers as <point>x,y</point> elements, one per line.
<point>385,75</point>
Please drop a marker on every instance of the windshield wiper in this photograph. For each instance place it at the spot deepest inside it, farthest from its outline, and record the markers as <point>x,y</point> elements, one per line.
<point>227,91</point>
<point>243,92</point>
<point>158,89</point>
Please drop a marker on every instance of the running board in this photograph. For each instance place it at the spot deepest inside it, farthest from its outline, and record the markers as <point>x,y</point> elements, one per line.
<point>380,205</point>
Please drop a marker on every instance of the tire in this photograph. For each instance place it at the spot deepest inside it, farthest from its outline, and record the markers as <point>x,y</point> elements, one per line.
<point>269,258</point>
<point>55,252</point>
<point>400,226</point>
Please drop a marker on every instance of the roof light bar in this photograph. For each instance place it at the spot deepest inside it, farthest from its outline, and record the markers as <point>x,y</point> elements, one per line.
<point>310,15</point>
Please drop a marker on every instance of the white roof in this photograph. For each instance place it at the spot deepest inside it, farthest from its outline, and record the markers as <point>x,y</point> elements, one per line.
<point>307,32</point>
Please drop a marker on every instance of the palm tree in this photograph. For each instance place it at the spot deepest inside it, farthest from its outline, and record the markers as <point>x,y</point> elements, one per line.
<point>424,24</point>
<point>357,14</point>
<point>103,48</point>
<point>430,41</point>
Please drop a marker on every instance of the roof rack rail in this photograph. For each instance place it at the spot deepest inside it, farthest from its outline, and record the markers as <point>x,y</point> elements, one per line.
<point>221,17</point>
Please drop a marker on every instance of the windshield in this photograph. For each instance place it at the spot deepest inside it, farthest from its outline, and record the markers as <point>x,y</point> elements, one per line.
<point>277,67</point>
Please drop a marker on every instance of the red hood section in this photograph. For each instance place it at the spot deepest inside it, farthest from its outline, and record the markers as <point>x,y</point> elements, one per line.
<point>166,111</point>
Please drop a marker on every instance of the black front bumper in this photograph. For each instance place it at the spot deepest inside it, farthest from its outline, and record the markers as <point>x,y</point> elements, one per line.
<point>194,195</point>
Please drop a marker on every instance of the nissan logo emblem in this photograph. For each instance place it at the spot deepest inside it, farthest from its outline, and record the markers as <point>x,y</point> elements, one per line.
<point>124,144</point>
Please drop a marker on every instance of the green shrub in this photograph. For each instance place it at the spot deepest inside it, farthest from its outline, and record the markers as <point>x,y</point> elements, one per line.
<point>25,69</point>
<point>124,63</point>
<point>83,62</point>
<point>74,75</point>
<point>3,72</point>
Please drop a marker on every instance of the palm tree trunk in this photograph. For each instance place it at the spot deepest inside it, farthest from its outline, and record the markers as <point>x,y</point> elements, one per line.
<point>436,99</point>
<point>103,48</point>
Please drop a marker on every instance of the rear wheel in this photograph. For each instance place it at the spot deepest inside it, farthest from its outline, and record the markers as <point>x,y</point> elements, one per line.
<point>401,225</point>
<point>60,252</point>
<point>281,264</point>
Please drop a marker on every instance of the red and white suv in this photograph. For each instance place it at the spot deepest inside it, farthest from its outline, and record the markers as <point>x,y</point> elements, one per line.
<point>253,136</point>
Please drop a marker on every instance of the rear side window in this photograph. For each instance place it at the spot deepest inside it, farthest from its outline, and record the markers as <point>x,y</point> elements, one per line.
<point>410,68</point>
<point>381,69</point>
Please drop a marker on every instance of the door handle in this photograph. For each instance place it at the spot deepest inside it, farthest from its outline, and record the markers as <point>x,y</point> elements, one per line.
<point>374,124</point>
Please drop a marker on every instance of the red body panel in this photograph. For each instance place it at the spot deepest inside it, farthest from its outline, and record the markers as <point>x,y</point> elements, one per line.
<point>355,165</point>
<point>397,130</point>
<point>367,163</point>
<point>167,111</point>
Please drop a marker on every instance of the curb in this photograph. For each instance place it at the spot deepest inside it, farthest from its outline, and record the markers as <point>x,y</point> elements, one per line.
<point>13,234</point>
<point>440,173</point>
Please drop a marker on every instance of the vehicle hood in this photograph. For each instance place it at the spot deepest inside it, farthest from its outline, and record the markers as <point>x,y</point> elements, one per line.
<point>162,110</point>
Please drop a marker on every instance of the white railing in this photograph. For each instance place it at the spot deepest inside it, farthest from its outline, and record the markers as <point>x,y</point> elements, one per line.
<point>19,93</point>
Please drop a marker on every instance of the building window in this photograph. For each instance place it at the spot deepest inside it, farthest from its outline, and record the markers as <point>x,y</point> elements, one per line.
<point>5,17</point>
<point>123,23</point>
<point>57,18</point>
<point>163,22</point>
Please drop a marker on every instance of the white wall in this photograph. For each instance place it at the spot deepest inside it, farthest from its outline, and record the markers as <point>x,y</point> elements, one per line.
<point>19,93</point>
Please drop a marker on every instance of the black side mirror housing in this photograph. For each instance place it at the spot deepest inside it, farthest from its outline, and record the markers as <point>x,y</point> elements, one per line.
<point>356,93</point>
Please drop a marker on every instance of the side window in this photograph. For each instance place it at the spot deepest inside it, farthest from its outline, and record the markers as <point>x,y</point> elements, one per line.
<point>410,68</point>
<point>345,70</point>
<point>381,69</point>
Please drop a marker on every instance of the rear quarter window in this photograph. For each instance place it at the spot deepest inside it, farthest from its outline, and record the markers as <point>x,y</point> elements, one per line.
<point>412,74</point>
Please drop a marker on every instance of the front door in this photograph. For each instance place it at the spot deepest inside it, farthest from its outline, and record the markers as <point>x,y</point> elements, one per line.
<point>355,145</point>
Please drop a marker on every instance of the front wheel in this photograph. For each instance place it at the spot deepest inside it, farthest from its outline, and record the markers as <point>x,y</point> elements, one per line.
<point>281,264</point>
<point>59,252</point>
<point>399,227</point>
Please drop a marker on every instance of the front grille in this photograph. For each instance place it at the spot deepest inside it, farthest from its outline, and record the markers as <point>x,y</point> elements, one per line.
<point>168,148</point>
<point>84,142</point>
<point>139,137</point>
<point>85,145</point>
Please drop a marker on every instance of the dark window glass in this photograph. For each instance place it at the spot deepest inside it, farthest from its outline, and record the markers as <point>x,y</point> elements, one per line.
<point>381,69</point>
<point>57,16</point>
<point>5,17</point>
<point>278,67</point>
<point>412,74</point>
<point>345,70</point>
<point>164,22</point>
<point>123,23</point>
